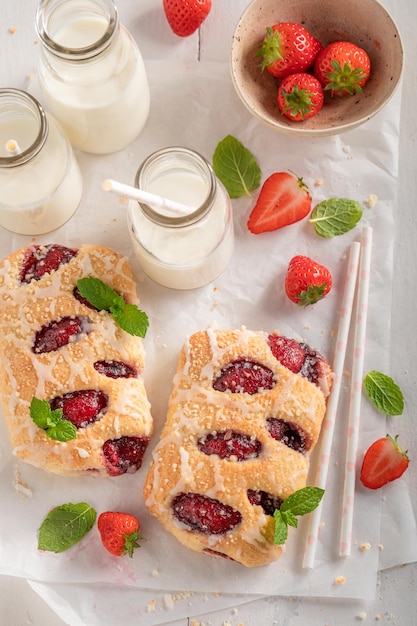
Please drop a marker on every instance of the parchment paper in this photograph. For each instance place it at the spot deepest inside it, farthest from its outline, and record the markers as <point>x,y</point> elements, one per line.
<point>194,105</point>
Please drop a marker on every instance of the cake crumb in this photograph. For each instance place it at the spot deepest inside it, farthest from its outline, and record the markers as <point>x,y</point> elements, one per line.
<point>378,618</point>
<point>365,546</point>
<point>151,606</point>
<point>21,487</point>
<point>371,200</point>
<point>155,572</point>
<point>340,580</point>
<point>12,30</point>
<point>318,182</point>
<point>380,547</point>
<point>361,616</point>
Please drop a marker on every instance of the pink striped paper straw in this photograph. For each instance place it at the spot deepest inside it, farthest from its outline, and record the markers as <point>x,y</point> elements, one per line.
<point>356,393</point>
<point>330,418</point>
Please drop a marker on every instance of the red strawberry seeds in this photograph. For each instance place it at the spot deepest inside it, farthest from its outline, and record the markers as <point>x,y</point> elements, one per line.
<point>306,281</point>
<point>186,16</point>
<point>119,532</point>
<point>288,48</point>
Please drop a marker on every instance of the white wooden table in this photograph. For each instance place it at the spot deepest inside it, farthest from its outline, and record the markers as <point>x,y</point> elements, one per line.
<point>396,597</point>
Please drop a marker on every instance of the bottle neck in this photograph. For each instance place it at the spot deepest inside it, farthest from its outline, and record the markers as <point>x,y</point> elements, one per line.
<point>23,127</point>
<point>76,30</point>
<point>168,170</point>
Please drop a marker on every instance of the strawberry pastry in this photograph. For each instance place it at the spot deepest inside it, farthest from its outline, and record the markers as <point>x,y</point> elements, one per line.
<point>71,377</point>
<point>243,418</point>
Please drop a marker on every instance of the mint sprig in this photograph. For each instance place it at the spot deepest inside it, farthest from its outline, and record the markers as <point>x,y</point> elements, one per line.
<point>51,421</point>
<point>298,503</point>
<point>128,316</point>
<point>335,216</point>
<point>236,167</point>
<point>384,393</point>
<point>65,525</point>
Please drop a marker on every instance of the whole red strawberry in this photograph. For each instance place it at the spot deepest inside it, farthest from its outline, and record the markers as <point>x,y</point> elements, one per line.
<point>119,532</point>
<point>185,16</point>
<point>288,48</point>
<point>342,68</point>
<point>300,96</point>
<point>284,199</point>
<point>384,461</point>
<point>306,281</point>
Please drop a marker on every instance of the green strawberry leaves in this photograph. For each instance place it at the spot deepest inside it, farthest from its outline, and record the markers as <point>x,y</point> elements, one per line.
<point>335,216</point>
<point>236,167</point>
<point>65,525</point>
<point>50,421</point>
<point>103,297</point>
<point>299,503</point>
<point>384,393</point>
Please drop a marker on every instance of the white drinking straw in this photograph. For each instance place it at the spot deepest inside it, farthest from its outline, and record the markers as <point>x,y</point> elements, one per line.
<point>330,418</point>
<point>356,393</point>
<point>156,202</point>
<point>12,147</point>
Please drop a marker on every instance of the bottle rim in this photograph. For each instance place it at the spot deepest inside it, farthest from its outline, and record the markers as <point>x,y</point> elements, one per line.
<point>194,158</point>
<point>45,12</point>
<point>11,98</point>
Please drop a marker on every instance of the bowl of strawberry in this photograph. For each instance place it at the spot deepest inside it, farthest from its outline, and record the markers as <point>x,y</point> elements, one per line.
<point>316,68</point>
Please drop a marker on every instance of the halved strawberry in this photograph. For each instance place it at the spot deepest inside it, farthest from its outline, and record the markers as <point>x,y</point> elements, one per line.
<point>306,281</point>
<point>287,48</point>
<point>300,96</point>
<point>342,68</point>
<point>384,461</point>
<point>284,199</point>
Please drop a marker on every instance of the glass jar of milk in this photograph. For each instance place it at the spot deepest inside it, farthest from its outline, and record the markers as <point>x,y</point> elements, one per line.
<point>91,72</point>
<point>40,181</point>
<point>187,250</point>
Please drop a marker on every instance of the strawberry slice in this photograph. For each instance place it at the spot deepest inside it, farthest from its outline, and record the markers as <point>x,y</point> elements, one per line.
<point>228,444</point>
<point>244,376</point>
<point>266,500</point>
<point>205,514</point>
<point>41,260</point>
<point>287,351</point>
<point>59,333</point>
<point>384,461</point>
<point>81,407</point>
<point>124,454</point>
<point>283,200</point>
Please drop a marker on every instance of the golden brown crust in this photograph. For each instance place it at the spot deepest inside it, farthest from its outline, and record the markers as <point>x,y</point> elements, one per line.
<point>24,308</point>
<point>196,408</point>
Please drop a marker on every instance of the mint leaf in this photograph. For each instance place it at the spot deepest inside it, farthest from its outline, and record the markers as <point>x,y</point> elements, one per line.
<point>65,525</point>
<point>281,528</point>
<point>132,320</point>
<point>298,503</point>
<point>236,167</point>
<point>62,431</point>
<point>384,393</point>
<point>97,293</point>
<point>335,216</point>
<point>303,501</point>
<point>50,421</point>
<point>128,316</point>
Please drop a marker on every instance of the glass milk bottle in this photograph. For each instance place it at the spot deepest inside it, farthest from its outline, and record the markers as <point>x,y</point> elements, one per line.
<point>91,72</point>
<point>40,181</point>
<point>189,250</point>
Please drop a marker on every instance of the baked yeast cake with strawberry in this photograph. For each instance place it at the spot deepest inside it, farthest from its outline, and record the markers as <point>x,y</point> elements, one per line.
<point>244,415</point>
<point>71,360</point>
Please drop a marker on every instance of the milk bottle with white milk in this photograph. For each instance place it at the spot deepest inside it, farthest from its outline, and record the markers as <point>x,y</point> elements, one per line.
<point>187,250</point>
<point>40,181</point>
<point>91,72</point>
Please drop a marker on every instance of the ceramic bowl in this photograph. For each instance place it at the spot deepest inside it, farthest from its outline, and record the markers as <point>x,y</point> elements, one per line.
<point>363,22</point>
